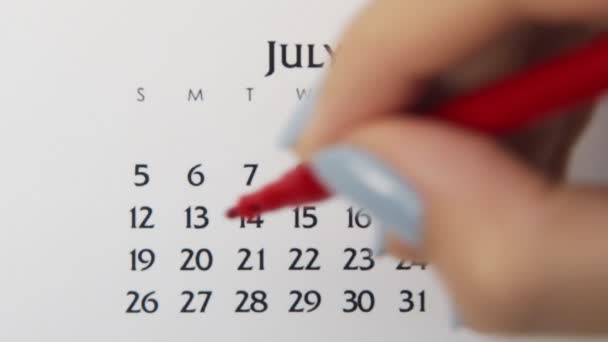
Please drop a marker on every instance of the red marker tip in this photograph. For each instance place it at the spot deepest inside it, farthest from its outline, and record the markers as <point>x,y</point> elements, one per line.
<point>246,211</point>
<point>296,187</point>
<point>232,212</point>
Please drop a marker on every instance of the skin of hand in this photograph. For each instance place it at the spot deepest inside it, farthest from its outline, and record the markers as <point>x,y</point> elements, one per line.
<point>519,250</point>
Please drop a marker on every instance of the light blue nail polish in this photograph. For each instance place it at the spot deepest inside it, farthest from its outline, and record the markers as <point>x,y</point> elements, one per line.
<point>369,183</point>
<point>299,118</point>
<point>379,243</point>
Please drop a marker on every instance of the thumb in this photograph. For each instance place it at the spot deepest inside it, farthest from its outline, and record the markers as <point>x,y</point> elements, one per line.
<point>418,175</point>
<point>457,198</point>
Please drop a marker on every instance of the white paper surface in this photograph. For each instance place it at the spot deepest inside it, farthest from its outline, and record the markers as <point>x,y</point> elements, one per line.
<point>72,130</point>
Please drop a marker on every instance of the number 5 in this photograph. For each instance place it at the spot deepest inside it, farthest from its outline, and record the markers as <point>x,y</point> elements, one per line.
<point>139,172</point>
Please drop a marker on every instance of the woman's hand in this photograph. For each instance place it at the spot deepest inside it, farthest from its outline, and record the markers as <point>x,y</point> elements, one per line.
<point>518,250</point>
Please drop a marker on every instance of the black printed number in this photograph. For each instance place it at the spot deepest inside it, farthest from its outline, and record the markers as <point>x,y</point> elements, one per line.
<point>365,263</point>
<point>254,168</point>
<point>140,217</point>
<point>363,301</point>
<point>257,221</point>
<point>196,217</point>
<point>196,176</point>
<point>254,302</point>
<point>358,218</point>
<point>408,265</point>
<point>142,259</point>
<point>146,304</point>
<point>201,260</point>
<point>192,298</point>
<point>140,172</point>
<point>299,262</point>
<point>412,302</point>
<point>249,260</point>
<point>307,301</point>
<point>305,217</point>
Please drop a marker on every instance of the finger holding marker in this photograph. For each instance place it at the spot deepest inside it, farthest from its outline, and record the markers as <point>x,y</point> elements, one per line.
<point>380,64</point>
<point>456,218</point>
<point>298,131</point>
<point>379,80</point>
<point>393,47</point>
<point>478,213</point>
<point>396,168</point>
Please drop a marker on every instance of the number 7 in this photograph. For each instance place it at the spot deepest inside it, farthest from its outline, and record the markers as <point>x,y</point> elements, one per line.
<point>254,168</point>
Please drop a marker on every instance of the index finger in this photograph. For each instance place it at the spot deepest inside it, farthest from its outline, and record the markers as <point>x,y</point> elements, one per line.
<point>395,45</point>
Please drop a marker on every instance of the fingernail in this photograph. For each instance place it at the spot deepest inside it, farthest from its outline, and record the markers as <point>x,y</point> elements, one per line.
<point>372,185</point>
<point>379,244</point>
<point>299,118</point>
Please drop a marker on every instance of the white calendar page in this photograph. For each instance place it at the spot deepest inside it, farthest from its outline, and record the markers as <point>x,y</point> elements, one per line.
<point>111,114</point>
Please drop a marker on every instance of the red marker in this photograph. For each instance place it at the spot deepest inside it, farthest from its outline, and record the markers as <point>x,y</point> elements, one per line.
<point>503,107</point>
